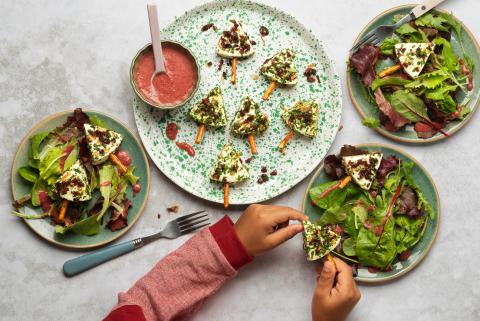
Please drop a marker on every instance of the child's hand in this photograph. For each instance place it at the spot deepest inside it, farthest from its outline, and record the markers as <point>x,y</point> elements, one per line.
<point>334,303</point>
<point>263,227</point>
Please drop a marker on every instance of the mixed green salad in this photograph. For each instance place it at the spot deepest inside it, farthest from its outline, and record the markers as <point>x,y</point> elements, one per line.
<point>418,76</point>
<point>78,173</point>
<point>373,203</point>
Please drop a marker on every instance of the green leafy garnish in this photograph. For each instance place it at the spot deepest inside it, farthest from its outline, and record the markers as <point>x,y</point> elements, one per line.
<point>408,105</point>
<point>371,122</point>
<point>429,20</point>
<point>389,81</point>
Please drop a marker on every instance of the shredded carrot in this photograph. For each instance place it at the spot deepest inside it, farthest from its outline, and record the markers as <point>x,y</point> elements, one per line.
<point>234,70</point>
<point>116,161</point>
<point>201,130</point>
<point>63,210</point>
<point>330,258</point>
<point>251,142</point>
<point>269,90</point>
<point>389,70</point>
<point>285,140</point>
<point>225,194</point>
<point>344,182</point>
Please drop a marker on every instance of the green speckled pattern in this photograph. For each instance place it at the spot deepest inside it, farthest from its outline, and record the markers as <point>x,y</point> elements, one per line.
<point>421,249</point>
<point>367,108</point>
<point>302,154</point>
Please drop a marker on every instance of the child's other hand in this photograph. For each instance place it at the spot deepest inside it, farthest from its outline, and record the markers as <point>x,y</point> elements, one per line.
<point>334,303</point>
<point>263,227</point>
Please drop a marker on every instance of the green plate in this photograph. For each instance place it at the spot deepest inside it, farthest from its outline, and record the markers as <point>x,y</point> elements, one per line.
<point>302,154</point>
<point>429,190</point>
<point>370,109</point>
<point>43,227</point>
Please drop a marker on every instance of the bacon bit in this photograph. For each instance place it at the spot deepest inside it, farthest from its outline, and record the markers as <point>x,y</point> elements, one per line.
<point>248,160</point>
<point>22,201</point>
<point>318,78</point>
<point>209,64</point>
<point>340,127</point>
<point>273,173</point>
<point>310,72</point>
<point>209,26</point>
<point>104,184</point>
<point>173,209</point>
<point>158,215</point>
<point>186,147</point>
<point>220,64</point>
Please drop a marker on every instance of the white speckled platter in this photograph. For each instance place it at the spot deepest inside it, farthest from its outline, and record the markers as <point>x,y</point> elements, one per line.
<point>302,154</point>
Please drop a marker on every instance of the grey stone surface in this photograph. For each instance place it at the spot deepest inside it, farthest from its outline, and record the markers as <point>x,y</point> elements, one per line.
<point>56,55</point>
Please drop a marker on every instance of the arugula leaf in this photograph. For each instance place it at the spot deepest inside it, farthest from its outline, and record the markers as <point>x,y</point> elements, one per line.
<point>408,105</point>
<point>448,57</point>
<point>412,34</point>
<point>440,92</point>
<point>407,167</point>
<point>87,226</point>
<point>348,247</point>
<point>376,252</point>
<point>436,22</point>
<point>388,81</point>
<point>335,198</point>
<point>106,176</point>
<point>371,122</point>
<point>387,47</point>
<point>132,179</point>
<point>94,120</point>
<point>429,80</point>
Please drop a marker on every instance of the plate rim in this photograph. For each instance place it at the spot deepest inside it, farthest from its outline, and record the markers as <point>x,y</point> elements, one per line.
<point>386,133</point>
<point>411,267</point>
<point>43,122</point>
<point>337,84</point>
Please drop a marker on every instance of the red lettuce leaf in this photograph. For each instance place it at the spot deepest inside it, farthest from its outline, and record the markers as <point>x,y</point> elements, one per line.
<point>392,121</point>
<point>364,61</point>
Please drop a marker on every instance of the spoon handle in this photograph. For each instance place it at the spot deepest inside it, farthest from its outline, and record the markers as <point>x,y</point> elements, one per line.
<point>155,34</point>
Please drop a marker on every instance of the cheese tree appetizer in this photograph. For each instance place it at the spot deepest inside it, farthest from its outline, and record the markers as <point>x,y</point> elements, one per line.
<point>374,204</point>
<point>279,70</point>
<point>301,118</point>
<point>210,111</point>
<point>319,241</point>
<point>229,170</point>
<point>235,44</point>
<point>415,76</point>
<point>249,120</point>
<point>77,177</point>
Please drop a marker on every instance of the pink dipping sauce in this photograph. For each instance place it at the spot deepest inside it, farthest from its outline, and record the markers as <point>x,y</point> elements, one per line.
<point>168,88</point>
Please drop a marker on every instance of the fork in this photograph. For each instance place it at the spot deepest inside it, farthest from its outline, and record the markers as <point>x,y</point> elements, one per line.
<point>173,229</point>
<point>377,35</point>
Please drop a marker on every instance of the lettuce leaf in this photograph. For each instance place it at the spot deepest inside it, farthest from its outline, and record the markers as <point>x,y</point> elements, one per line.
<point>106,177</point>
<point>447,56</point>
<point>408,105</point>
<point>374,251</point>
<point>50,159</point>
<point>406,168</point>
<point>40,185</point>
<point>335,198</point>
<point>389,81</point>
<point>88,226</point>
<point>436,22</point>
<point>371,122</point>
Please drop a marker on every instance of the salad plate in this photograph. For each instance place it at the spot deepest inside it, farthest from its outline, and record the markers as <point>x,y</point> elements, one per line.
<point>439,110</point>
<point>22,181</point>
<point>407,249</point>
<point>271,31</point>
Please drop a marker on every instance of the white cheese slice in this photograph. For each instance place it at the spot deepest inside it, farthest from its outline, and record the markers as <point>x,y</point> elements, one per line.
<point>101,142</point>
<point>318,241</point>
<point>363,168</point>
<point>235,42</point>
<point>413,56</point>
<point>73,184</point>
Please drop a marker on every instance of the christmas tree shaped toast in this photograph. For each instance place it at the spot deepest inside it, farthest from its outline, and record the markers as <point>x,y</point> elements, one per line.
<point>229,170</point>
<point>249,121</point>
<point>301,118</point>
<point>279,70</point>
<point>235,44</point>
<point>319,241</point>
<point>210,111</point>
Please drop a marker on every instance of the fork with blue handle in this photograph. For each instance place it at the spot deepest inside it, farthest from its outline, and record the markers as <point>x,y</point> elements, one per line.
<point>173,229</point>
<point>377,35</point>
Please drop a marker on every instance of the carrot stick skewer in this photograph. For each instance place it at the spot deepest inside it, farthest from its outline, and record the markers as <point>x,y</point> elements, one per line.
<point>345,182</point>
<point>389,70</point>
<point>201,130</point>
<point>234,70</point>
<point>285,140</point>
<point>251,142</point>
<point>116,161</point>
<point>269,90</point>
<point>330,258</point>
<point>63,210</point>
<point>225,194</point>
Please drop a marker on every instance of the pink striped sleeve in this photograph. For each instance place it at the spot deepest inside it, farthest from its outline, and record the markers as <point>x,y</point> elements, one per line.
<point>175,288</point>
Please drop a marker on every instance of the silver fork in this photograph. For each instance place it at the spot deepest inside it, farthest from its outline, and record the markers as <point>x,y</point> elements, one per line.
<point>377,35</point>
<point>173,229</point>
